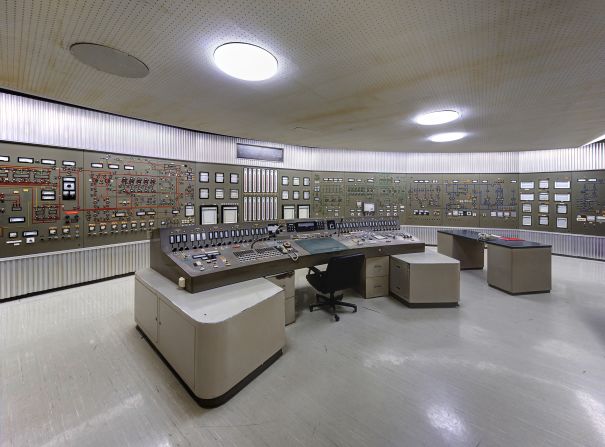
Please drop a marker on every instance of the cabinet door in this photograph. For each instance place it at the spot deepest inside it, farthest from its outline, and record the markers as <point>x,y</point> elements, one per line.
<point>146,311</point>
<point>176,341</point>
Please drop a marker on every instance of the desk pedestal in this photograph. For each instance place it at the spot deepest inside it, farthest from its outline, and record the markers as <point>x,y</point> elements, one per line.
<point>216,341</point>
<point>468,251</point>
<point>519,270</point>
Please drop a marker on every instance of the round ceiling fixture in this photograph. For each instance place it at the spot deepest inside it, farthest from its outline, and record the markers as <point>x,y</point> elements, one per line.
<point>109,60</point>
<point>439,117</point>
<point>448,136</point>
<point>245,61</point>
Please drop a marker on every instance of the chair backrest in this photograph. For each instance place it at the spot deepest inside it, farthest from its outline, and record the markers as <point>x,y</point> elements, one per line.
<point>343,271</point>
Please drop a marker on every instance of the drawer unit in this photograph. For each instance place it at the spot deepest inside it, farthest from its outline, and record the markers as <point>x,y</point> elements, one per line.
<point>425,279</point>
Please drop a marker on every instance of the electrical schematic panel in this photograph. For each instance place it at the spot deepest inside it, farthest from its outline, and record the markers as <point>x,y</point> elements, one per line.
<point>461,201</point>
<point>40,191</point>
<point>498,205</point>
<point>588,206</point>
<point>376,195</point>
<point>124,196</point>
<point>545,201</point>
<point>219,195</point>
<point>328,194</point>
<point>425,198</point>
<point>295,194</point>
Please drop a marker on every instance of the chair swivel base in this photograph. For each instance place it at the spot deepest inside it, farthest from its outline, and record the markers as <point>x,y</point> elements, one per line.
<point>330,303</point>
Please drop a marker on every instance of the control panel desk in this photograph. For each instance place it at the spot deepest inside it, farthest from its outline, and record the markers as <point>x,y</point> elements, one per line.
<point>514,266</point>
<point>205,264</point>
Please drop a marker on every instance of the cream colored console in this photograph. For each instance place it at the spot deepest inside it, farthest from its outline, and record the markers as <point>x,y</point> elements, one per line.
<point>216,341</point>
<point>425,279</point>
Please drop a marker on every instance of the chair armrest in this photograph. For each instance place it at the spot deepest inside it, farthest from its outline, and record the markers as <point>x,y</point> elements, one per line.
<point>315,270</point>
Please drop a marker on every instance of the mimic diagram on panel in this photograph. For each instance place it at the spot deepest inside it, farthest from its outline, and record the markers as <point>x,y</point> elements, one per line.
<point>498,205</point>
<point>461,202</point>
<point>425,196</point>
<point>489,200</point>
<point>329,198</point>
<point>126,196</point>
<point>589,202</point>
<point>39,199</point>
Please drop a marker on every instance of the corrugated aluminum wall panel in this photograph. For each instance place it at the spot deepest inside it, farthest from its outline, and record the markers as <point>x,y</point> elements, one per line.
<point>585,158</point>
<point>36,273</point>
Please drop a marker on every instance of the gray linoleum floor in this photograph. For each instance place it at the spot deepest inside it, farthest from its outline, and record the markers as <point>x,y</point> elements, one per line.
<point>497,371</point>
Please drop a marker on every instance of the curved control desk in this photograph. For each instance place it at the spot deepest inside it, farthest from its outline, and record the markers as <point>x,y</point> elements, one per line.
<point>226,324</point>
<point>230,257</point>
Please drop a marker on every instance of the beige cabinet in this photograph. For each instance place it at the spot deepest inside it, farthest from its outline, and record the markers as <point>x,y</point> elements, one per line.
<point>146,311</point>
<point>286,282</point>
<point>217,340</point>
<point>374,279</point>
<point>519,270</point>
<point>425,279</point>
<point>176,341</point>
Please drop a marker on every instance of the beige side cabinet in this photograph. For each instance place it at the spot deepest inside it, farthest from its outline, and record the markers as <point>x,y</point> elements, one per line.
<point>426,279</point>
<point>216,341</point>
<point>375,277</point>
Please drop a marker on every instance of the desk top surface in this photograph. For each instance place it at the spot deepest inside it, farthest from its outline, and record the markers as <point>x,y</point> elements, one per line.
<point>474,235</point>
<point>210,306</point>
<point>427,257</point>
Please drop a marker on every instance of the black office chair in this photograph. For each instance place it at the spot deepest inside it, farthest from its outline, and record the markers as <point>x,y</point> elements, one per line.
<point>342,273</point>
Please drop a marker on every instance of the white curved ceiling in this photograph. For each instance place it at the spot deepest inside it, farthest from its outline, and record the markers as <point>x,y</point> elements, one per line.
<point>352,74</point>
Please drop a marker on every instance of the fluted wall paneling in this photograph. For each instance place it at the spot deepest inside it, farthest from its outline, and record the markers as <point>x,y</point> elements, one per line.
<point>29,274</point>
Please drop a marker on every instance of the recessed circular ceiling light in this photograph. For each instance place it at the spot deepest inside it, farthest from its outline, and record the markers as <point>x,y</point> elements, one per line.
<point>109,60</point>
<point>448,136</point>
<point>245,61</point>
<point>439,117</point>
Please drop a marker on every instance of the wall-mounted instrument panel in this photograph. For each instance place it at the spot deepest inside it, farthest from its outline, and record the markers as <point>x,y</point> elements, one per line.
<point>124,197</point>
<point>425,199</point>
<point>219,197</point>
<point>40,199</point>
<point>545,201</point>
<point>588,202</point>
<point>295,194</point>
<point>211,256</point>
<point>59,199</point>
<point>260,190</point>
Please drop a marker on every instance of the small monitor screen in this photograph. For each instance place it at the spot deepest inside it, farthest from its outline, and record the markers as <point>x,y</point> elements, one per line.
<point>306,226</point>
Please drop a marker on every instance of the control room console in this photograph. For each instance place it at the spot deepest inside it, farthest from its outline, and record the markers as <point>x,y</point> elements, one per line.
<point>209,256</point>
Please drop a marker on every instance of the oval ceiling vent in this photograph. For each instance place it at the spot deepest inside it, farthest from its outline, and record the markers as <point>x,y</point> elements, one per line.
<point>109,60</point>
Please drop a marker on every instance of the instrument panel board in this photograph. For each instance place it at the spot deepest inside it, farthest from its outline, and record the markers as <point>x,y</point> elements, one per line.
<point>59,199</point>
